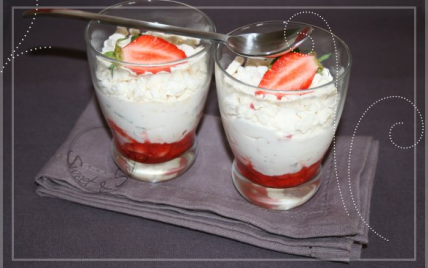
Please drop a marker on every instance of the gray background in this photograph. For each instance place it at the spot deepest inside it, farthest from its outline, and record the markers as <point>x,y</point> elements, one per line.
<point>51,88</point>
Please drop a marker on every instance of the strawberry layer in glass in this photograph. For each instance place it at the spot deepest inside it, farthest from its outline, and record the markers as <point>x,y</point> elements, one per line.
<point>149,152</point>
<point>278,138</point>
<point>152,111</point>
<point>280,181</point>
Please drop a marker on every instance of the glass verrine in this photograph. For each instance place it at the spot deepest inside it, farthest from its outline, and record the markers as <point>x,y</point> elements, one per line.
<point>279,137</point>
<point>152,109</point>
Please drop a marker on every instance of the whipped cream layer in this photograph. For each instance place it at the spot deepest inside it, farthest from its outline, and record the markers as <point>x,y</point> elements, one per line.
<point>156,108</point>
<point>277,135</point>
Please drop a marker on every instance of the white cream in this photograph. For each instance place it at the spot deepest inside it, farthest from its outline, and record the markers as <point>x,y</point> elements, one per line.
<point>161,107</point>
<point>278,136</point>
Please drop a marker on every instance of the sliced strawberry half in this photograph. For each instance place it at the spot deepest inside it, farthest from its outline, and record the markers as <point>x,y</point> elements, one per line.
<point>147,49</point>
<point>292,71</point>
<point>142,151</point>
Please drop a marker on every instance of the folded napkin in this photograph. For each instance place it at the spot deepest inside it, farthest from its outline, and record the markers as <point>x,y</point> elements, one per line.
<point>329,226</point>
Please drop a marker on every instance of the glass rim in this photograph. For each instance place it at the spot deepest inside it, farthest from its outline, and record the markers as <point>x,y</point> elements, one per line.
<point>205,49</point>
<point>345,72</point>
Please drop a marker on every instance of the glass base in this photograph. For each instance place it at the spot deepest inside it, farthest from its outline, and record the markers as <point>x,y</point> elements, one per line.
<point>275,198</point>
<point>156,172</point>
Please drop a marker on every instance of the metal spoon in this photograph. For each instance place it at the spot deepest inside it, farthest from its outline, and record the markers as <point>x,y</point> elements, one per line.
<point>270,44</point>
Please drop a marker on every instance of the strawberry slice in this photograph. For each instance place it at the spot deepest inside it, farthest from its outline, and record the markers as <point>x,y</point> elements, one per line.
<point>147,49</point>
<point>146,152</point>
<point>135,151</point>
<point>159,150</point>
<point>292,71</point>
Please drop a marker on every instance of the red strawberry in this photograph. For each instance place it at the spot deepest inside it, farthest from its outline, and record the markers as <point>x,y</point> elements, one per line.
<point>279,181</point>
<point>159,150</point>
<point>142,151</point>
<point>292,71</point>
<point>147,49</point>
<point>135,151</point>
<point>153,153</point>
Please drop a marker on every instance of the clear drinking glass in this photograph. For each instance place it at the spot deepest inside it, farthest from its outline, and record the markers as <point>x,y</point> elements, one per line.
<point>280,137</point>
<point>153,115</point>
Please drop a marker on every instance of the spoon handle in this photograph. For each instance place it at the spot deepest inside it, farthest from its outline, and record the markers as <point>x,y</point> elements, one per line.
<point>119,21</point>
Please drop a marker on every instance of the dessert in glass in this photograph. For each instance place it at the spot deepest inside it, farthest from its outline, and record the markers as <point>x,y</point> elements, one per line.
<point>280,114</point>
<point>151,86</point>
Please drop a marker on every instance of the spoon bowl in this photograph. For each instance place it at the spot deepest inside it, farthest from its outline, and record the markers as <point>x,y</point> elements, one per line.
<point>271,44</point>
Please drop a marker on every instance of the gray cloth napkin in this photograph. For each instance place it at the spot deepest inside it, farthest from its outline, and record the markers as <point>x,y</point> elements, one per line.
<point>329,226</point>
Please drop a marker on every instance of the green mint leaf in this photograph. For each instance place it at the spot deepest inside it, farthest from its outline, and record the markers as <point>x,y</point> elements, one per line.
<point>135,37</point>
<point>273,61</point>
<point>296,50</point>
<point>324,57</point>
<point>110,54</point>
<point>118,52</point>
<point>112,67</point>
<point>120,40</point>
<point>321,59</point>
<point>118,49</point>
<point>303,51</point>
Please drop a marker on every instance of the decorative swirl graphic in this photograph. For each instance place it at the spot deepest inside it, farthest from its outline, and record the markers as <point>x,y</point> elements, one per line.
<point>13,54</point>
<point>392,141</point>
